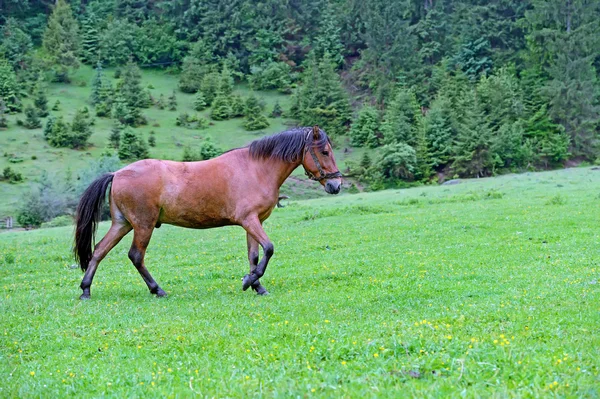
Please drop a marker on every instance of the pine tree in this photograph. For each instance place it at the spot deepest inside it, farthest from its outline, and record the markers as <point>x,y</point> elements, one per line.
<point>255,120</point>
<point>58,134</point>
<point>32,121</point>
<point>97,85</point>
<point>40,101</point>
<point>115,135</point>
<point>81,129</point>
<point>366,129</point>
<point>277,111</point>
<point>61,40</point>
<point>130,89</point>
<point>403,119</point>
<point>9,88</point>
<point>132,146</point>
<point>120,110</point>
<point>221,108</point>
<point>172,102</point>
<point>56,106</point>
<point>152,139</point>
<point>208,149</point>
<point>210,86</point>
<point>160,103</point>
<point>3,120</point>
<point>199,101</point>
<point>90,42</point>
<point>322,99</point>
<point>48,128</point>
<point>226,82</point>
<point>440,133</point>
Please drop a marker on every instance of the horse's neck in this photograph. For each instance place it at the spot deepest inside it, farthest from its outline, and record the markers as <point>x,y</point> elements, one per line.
<point>276,171</point>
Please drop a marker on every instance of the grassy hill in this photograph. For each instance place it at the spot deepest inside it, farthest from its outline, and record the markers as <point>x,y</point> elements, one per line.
<point>170,139</point>
<point>487,288</point>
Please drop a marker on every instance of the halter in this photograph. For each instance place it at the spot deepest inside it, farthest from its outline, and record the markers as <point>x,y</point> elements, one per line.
<point>322,174</point>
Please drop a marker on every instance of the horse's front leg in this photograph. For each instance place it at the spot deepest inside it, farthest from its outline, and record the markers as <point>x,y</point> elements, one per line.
<point>255,230</point>
<point>253,259</point>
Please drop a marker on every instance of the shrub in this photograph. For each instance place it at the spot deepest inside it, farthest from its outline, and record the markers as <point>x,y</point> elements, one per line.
<point>11,175</point>
<point>132,146</point>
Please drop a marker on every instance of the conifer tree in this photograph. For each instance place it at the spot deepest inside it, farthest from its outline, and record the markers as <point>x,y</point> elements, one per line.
<point>199,101</point>
<point>48,127</point>
<point>81,129</point>
<point>221,108</point>
<point>226,81</point>
<point>130,89</point>
<point>208,149</point>
<point>160,103</point>
<point>58,134</point>
<point>403,119</point>
<point>9,88</point>
<point>40,100</point>
<point>32,120</point>
<point>97,84</point>
<point>56,106</point>
<point>3,119</point>
<point>210,86</point>
<point>172,102</point>
<point>440,132</point>
<point>61,40</point>
<point>366,129</point>
<point>115,135</point>
<point>152,139</point>
<point>90,41</point>
<point>255,120</point>
<point>277,111</point>
<point>131,145</point>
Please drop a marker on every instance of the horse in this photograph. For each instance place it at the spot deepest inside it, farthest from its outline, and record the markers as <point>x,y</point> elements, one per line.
<point>239,187</point>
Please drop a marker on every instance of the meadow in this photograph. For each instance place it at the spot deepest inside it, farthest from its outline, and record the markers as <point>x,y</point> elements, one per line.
<point>487,288</point>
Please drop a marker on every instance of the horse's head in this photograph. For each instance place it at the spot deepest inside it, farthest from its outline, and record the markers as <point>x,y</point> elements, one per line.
<point>319,162</point>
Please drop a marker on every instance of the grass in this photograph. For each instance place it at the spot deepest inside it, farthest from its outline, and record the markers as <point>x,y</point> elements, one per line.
<point>170,139</point>
<point>426,292</point>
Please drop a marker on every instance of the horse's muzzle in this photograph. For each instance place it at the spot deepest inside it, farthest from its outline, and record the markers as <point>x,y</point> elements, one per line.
<point>333,186</point>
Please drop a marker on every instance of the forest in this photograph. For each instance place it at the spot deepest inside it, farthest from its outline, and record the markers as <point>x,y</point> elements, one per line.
<point>437,88</point>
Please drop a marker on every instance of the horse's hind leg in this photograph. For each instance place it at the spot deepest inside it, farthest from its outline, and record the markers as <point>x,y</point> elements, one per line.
<point>253,259</point>
<point>117,231</point>
<point>141,238</point>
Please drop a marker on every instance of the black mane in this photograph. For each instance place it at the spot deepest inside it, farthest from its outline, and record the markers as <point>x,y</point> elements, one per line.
<point>287,146</point>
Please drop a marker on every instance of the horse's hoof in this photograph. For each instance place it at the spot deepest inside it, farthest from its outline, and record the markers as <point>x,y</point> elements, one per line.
<point>84,297</point>
<point>246,282</point>
<point>160,293</point>
<point>262,291</point>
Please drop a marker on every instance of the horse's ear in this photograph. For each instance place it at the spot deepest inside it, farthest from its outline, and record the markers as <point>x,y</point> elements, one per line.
<point>316,132</point>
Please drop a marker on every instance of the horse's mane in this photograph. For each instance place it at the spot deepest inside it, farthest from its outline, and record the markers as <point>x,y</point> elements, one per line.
<point>287,146</point>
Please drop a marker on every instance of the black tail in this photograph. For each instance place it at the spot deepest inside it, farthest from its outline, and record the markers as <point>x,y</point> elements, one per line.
<point>88,216</point>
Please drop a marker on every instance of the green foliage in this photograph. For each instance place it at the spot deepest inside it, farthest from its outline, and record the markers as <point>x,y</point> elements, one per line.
<point>366,129</point>
<point>132,146</point>
<point>90,39</point>
<point>130,90</point>
<point>272,76</point>
<point>9,89</point>
<point>172,102</point>
<point>60,134</point>
<point>115,135</point>
<point>254,120</point>
<point>474,58</point>
<point>40,100</point>
<point>3,119</point>
<point>440,132</point>
<point>398,161</point>
<point>221,107</point>
<point>403,119</point>
<point>199,101</point>
<point>207,150</point>
<point>210,86</point>
<point>277,111</point>
<point>152,140</point>
<point>238,107</point>
<point>12,175</point>
<point>32,120</point>
<point>322,100</point>
<point>81,128</point>
<point>61,41</point>
<point>15,44</point>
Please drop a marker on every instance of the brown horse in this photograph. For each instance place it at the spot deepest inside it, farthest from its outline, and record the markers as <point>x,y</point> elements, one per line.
<point>240,187</point>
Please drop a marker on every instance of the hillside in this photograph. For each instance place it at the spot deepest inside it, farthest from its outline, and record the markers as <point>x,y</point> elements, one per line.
<point>485,288</point>
<point>26,144</point>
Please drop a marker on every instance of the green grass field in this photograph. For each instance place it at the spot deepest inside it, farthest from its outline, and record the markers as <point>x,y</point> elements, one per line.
<point>170,139</point>
<point>488,288</point>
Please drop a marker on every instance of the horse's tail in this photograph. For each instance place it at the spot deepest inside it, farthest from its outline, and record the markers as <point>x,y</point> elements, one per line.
<point>88,216</point>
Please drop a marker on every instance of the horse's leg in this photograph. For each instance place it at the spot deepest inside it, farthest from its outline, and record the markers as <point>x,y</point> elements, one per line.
<point>253,259</point>
<point>254,228</point>
<point>141,238</point>
<point>112,238</point>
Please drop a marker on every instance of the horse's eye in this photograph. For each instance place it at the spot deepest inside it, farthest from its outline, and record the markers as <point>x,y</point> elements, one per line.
<point>326,153</point>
